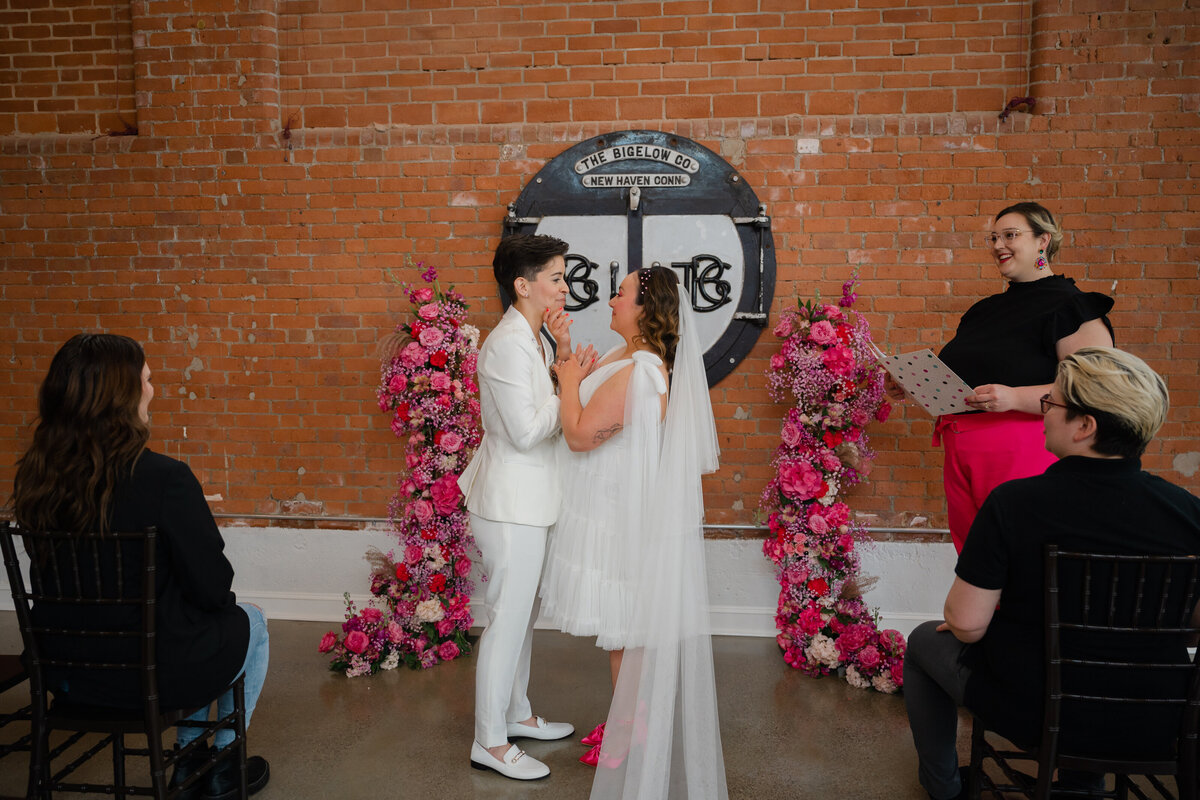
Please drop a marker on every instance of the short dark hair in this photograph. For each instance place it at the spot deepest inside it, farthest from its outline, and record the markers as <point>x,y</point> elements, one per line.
<point>523,255</point>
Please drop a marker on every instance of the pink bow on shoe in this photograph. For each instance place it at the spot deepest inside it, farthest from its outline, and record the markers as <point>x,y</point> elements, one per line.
<point>591,757</point>
<point>595,737</point>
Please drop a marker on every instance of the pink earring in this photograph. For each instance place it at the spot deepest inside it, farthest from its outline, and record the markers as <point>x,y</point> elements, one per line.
<point>1041,261</point>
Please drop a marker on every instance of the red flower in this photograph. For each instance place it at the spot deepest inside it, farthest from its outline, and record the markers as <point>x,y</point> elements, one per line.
<point>428,534</point>
<point>438,359</point>
<point>402,574</point>
<point>818,586</point>
<point>832,438</point>
<point>417,327</point>
<point>437,583</point>
<point>402,411</point>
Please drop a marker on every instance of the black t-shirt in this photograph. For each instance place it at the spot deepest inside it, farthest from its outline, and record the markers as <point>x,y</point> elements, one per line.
<point>1085,504</point>
<point>1010,338</point>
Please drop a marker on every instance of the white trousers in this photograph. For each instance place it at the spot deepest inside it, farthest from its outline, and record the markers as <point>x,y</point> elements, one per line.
<point>512,560</point>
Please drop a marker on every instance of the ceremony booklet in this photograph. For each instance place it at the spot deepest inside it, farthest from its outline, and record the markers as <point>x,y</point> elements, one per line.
<point>928,381</point>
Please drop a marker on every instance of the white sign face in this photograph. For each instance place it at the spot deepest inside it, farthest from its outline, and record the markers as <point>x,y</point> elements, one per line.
<point>641,152</point>
<point>673,239</point>
<point>601,240</point>
<point>641,180</point>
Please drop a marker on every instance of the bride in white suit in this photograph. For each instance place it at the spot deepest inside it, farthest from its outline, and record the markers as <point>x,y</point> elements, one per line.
<point>513,496</point>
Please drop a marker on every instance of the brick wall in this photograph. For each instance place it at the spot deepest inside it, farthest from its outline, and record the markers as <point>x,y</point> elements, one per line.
<point>290,154</point>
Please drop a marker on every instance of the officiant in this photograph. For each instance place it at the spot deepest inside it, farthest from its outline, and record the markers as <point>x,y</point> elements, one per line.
<point>1007,347</point>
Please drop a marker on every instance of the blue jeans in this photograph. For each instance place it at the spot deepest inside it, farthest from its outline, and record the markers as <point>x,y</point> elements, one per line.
<point>255,669</point>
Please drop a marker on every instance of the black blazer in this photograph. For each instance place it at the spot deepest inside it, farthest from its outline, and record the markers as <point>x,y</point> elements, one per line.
<point>202,634</point>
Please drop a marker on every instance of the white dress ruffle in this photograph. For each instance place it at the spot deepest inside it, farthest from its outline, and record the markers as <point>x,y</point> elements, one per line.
<point>591,564</point>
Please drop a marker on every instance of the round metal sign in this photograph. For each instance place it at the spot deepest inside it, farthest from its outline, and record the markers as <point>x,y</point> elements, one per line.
<point>631,199</point>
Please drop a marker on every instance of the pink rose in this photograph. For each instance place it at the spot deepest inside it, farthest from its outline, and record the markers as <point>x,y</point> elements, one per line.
<point>791,434</point>
<point>462,567</point>
<point>413,553</point>
<point>818,525</point>
<point>451,442</point>
<point>800,481</point>
<point>784,328</point>
<point>859,417</point>
<point>431,337</point>
<point>428,311</point>
<point>422,295</point>
<point>897,670</point>
<point>845,542</point>
<point>440,382</point>
<point>447,651</point>
<point>829,461</point>
<point>822,333</point>
<point>837,515</point>
<point>884,411</point>
<point>422,510</point>
<point>394,632</point>
<point>892,641</point>
<point>371,614</point>
<point>839,360</point>
<point>446,494</point>
<point>853,639</point>
<point>327,642</point>
<point>869,658</point>
<point>413,355</point>
<point>778,361</point>
<point>356,641</point>
<point>397,384</point>
<point>832,312</point>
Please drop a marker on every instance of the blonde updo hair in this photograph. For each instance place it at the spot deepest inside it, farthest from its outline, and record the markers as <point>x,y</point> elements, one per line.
<point>1041,221</point>
<point>1128,400</point>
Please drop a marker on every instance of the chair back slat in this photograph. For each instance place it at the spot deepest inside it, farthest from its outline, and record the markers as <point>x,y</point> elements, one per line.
<point>1128,618</point>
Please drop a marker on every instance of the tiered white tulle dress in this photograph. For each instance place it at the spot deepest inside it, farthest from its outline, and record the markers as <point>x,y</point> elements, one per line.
<point>591,563</point>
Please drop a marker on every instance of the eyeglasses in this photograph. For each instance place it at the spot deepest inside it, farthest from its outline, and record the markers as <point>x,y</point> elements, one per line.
<point>1009,235</point>
<point>1047,403</point>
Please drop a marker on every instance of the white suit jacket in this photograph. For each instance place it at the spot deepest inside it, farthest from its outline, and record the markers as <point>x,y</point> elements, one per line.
<point>514,474</point>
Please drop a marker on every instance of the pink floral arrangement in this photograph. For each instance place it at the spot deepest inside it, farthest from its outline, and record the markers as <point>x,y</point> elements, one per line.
<point>827,368</point>
<point>429,388</point>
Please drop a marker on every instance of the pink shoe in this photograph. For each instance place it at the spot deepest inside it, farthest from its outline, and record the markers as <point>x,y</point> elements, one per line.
<point>595,737</point>
<point>592,757</point>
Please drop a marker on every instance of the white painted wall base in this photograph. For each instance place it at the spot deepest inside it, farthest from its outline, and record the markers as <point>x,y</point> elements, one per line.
<point>303,574</point>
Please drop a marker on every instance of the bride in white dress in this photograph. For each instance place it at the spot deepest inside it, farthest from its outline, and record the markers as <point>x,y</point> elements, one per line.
<point>625,561</point>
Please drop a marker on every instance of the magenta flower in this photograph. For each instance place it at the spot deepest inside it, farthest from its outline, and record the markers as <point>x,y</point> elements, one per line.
<point>429,311</point>
<point>421,295</point>
<point>413,356</point>
<point>446,494</point>
<point>451,442</point>
<point>447,651</point>
<point>422,510</point>
<point>791,434</point>
<point>869,658</point>
<point>839,360</point>
<point>327,642</point>
<point>356,641</point>
<point>800,481</point>
<point>822,333</point>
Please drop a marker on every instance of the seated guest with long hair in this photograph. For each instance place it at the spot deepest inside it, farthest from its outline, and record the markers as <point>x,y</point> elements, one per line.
<point>1102,410</point>
<point>89,469</point>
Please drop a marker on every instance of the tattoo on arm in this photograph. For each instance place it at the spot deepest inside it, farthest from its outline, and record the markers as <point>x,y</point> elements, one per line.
<point>604,434</point>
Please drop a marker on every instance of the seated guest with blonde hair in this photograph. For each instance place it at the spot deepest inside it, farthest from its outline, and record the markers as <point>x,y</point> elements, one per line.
<point>1103,409</point>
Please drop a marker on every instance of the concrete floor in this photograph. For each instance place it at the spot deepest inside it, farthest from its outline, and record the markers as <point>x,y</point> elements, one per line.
<point>407,734</point>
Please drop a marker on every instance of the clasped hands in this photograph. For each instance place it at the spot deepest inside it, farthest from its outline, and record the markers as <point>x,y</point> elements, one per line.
<point>571,367</point>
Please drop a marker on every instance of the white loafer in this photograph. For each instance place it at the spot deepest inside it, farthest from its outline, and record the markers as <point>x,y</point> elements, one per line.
<point>516,763</point>
<point>548,731</point>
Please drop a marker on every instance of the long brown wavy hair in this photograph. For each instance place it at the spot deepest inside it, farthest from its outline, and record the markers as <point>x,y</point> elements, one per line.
<point>658,326</point>
<point>88,436</point>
